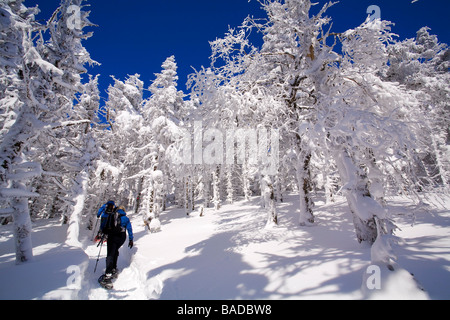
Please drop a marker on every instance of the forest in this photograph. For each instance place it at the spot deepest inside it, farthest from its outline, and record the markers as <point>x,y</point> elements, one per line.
<point>309,112</point>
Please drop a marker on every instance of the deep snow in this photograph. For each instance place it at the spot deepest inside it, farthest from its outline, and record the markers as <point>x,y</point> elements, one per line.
<point>231,254</point>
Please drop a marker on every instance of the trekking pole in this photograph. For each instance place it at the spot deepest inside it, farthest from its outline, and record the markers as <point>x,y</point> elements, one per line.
<point>98,257</point>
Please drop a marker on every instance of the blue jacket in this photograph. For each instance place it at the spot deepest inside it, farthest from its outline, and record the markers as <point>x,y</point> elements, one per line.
<point>124,222</point>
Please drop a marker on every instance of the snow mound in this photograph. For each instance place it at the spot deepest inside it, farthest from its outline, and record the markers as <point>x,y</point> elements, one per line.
<point>155,225</point>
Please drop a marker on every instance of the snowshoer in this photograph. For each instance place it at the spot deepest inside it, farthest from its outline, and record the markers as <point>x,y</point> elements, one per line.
<point>113,225</point>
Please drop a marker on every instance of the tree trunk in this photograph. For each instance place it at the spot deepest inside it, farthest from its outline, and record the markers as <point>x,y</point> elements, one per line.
<point>206,189</point>
<point>230,190</point>
<point>246,181</point>
<point>305,186</point>
<point>216,188</point>
<point>22,230</point>
<point>328,183</point>
<point>186,195</point>
<point>73,232</point>
<point>268,195</point>
<point>365,210</point>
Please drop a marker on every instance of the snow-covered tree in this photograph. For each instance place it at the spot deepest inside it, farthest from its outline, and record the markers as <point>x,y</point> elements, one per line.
<point>367,124</point>
<point>166,100</point>
<point>163,113</point>
<point>19,118</point>
<point>421,64</point>
<point>37,105</point>
<point>64,49</point>
<point>122,153</point>
<point>292,68</point>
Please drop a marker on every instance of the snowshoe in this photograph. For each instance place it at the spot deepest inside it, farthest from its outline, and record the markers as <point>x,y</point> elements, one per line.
<point>115,273</point>
<point>105,281</point>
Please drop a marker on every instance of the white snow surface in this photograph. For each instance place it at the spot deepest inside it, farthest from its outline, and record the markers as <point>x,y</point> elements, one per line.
<point>231,254</point>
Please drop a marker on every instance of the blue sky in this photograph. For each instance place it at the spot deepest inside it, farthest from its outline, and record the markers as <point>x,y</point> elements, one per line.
<point>136,36</point>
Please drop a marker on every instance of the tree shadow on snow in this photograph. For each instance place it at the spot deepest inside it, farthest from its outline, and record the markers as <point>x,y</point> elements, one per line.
<point>423,258</point>
<point>210,271</point>
<point>216,269</point>
<point>48,274</point>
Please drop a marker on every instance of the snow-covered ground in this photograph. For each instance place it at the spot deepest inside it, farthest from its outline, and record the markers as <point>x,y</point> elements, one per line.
<point>231,254</point>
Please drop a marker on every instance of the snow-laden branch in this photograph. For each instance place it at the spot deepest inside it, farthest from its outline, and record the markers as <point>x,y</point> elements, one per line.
<point>69,124</point>
<point>17,193</point>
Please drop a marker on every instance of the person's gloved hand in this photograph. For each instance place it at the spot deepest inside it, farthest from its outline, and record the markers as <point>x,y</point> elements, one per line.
<point>98,237</point>
<point>130,244</point>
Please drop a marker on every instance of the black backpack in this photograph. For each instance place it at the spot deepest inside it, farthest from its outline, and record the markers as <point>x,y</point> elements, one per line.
<point>113,223</point>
